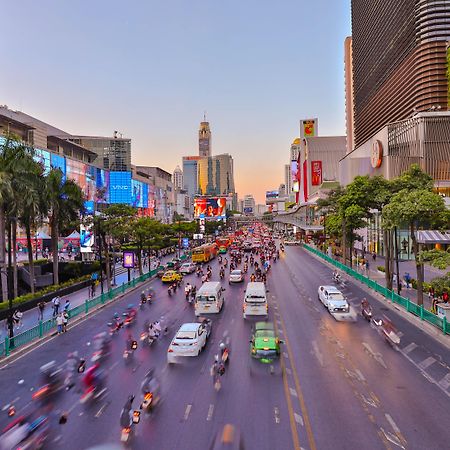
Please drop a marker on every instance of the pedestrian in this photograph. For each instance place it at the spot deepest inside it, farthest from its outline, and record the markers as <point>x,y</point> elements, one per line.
<point>67,305</point>
<point>56,302</point>
<point>65,321</point>
<point>431,292</point>
<point>59,322</point>
<point>94,287</point>
<point>374,256</point>
<point>445,297</point>
<point>434,305</point>
<point>367,266</point>
<point>17,318</point>
<point>41,307</point>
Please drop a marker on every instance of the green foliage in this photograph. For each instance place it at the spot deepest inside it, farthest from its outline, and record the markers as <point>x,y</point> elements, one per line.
<point>38,262</point>
<point>48,289</point>
<point>381,268</point>
<point>437,258</point>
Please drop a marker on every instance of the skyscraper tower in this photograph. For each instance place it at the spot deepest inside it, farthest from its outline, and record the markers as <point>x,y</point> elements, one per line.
<point>204,139</point>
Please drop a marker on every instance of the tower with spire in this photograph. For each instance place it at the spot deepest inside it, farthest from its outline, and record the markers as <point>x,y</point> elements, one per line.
<point>204,138</point>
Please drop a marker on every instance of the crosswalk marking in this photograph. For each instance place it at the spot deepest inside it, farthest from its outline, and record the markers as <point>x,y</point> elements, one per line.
<point>409,348</point>
<point>427,362</point>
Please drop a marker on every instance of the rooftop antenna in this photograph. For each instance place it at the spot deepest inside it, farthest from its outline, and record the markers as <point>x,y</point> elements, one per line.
<point>204,116</point>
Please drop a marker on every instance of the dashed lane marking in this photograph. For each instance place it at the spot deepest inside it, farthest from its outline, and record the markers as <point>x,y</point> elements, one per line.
<point>288,371</point>
<point>298,418</point>
<point>427,362</point>
<point>187,411</point>
<point>293,392</point>
<point>100,411</point>
<point>285,355</point>
<point>392,423</point>
<point>409,348</point>
<point>210,412</point>
<point>276,413</point>
<point>360,375</point>
<point>316,353</point>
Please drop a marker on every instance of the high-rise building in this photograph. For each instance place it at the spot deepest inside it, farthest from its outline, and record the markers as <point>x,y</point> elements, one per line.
<point>349,116</point>
<point>249,204</point>
<point>204,139</point>
<point>114,153</point>
<point>177,179</point>
<point>399,54</point>
<point>190,175</point>
<point>288,178</point>
<point>215,175</point>
<point>295,149</point>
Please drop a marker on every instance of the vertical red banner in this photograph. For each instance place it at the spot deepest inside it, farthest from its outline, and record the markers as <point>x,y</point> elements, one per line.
<point>316,173</point>
<point>305,181</point>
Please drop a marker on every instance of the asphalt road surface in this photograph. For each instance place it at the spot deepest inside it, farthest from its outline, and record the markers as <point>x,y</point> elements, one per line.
<point>338,385</point>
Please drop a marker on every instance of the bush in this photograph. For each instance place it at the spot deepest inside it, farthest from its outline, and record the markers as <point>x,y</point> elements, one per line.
<point>37,262</point>
<point>48,289</point>
<point>381,268</point>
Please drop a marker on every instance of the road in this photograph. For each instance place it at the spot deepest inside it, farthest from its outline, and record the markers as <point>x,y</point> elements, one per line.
<point>338,384</point>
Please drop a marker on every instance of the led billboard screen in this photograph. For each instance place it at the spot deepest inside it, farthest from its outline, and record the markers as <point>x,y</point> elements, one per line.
<point>212,207</point>
<point>272,194</point>
<point>120,187</point>
<point>295,176</point>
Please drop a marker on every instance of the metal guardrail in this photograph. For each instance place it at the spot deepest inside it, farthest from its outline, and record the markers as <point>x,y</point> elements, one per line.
<point>404,302</point>
<point>44,328</point>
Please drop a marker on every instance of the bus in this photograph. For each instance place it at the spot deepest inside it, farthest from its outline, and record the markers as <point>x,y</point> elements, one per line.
<point>223,242</point>
<point>204,253</point>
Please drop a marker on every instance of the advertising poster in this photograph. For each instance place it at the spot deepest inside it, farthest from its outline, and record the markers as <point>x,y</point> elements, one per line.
<point>128,260</point>
<point>59,162</point>
<point>136,194</point>
<point>309,128</point>
<point>295,176</point>
<point>86,239</point>
<point>316,173</point>
<point>210,208</point>
<point>305,181</point>
<point>272,195</point>
<point>102,186</point>
<point>248,210</point>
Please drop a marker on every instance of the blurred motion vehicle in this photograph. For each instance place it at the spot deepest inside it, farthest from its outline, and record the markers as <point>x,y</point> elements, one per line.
<point>209,298</point>
<point>333,299</point>
<point>255,300</point>
<point>187,268</point>
<point>265,345</point>
<point>170,276</point>
<point>228,438</point>
<point>236,276</point>
<point>190,340</point>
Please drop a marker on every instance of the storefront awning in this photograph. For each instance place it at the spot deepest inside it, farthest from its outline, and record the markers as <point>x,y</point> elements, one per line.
<point>433,237</point>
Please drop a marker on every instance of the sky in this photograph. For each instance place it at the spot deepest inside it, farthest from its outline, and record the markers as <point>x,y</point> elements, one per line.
<point>150,68</point>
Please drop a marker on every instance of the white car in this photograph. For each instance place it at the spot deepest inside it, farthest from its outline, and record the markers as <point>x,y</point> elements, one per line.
<point>189,341</point>
<point>236,276</point>
<point>292,242</point>
<point>187,268</point>
<point>333,299</point>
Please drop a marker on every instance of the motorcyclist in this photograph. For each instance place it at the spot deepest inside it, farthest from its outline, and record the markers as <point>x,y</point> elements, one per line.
<point>126,418</point>
<point>224,352</point>
<point>143,297</point>
<point>225,263</point>
<point>150,384</point>
<point>252,277</point>
<point>187,290</point>
<point>152,333</point>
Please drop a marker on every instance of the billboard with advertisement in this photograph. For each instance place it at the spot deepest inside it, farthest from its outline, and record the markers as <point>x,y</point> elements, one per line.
<point>58,162</point>
<point>272,194</point>
<point>128,260</point>
<point>139,194</point>
<point>305,181</point>
<point>248,210</point>
<point>86,239</point>
<point>295,176</point>
<point>102,186</point>
<point>210,207</point>
<point>120,187</point>
<point>309,128</point>
<point>316,173</point>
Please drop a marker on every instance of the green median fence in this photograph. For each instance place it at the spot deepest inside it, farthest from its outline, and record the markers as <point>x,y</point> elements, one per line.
<point>404,302</point>
<point>47,327</point>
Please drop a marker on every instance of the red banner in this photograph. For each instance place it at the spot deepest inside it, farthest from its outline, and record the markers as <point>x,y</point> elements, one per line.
<point>316,173</point>
<point>305,181</point>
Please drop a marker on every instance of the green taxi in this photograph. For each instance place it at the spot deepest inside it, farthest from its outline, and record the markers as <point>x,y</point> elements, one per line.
<point>265,345</point>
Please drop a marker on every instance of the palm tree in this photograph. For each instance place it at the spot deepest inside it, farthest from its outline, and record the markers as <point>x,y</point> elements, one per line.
<point>32,208</point>
<point>64,200</point>
<point>12,156</point>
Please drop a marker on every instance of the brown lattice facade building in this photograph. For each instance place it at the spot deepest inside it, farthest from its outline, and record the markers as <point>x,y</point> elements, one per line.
<point>399,61</point>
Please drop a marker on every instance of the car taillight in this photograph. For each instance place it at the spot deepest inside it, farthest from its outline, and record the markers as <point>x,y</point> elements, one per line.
<point>148,396</point>
<point>170,350</point>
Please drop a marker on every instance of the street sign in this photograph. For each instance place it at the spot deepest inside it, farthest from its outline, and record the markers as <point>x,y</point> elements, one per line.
<point>185,243</point>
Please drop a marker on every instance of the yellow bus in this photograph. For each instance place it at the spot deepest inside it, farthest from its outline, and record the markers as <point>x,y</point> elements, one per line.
<point>204,253</point>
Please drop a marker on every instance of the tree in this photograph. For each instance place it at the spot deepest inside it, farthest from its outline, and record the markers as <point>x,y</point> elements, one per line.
<point>145,232</point>
<point>437,258</point>
<point>414,208</point>
<point>64,201</point>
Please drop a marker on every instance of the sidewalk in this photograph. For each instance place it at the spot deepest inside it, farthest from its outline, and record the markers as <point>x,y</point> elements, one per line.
<point>30,317</point>
<point>404,267</point>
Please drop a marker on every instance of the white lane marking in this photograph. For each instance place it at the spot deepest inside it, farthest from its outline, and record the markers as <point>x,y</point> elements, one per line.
<point>280,331</point>
<point>360,375</point>
<point>293,392</point>
<point>391,438</point>
<point>445,382</point>
<point>210,412</point>
<point>427,362</point>
<point>276,412</point>
<point>288,371</point>
<point>186,413</point>
<point>10,404</point>
<point>316,353</point>
<point>100,411</point>
<point>114,365</point>
<point>298,418</point>
<point>377,356</point>
<point>392,423</point>
<point>285,355</point>
<point>409,348</point>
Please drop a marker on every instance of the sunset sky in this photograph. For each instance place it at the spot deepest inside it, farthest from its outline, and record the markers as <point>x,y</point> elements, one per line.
<point>151,68</point>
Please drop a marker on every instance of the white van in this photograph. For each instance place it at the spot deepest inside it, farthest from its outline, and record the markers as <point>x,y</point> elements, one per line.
<point>255,300</point>
<point>209,298</point>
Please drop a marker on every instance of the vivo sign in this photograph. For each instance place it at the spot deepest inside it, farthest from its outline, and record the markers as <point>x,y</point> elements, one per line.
<point>122,188</point>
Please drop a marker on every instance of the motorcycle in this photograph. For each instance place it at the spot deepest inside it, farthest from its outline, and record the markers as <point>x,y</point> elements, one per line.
<point>386,330</point>
<point>366,310</point>
<point>147,339</point>
<point>169,290</point>
<point>115,325</point>
<point>142,302</point>
<point>149,402</point>
<point>129,318</point>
